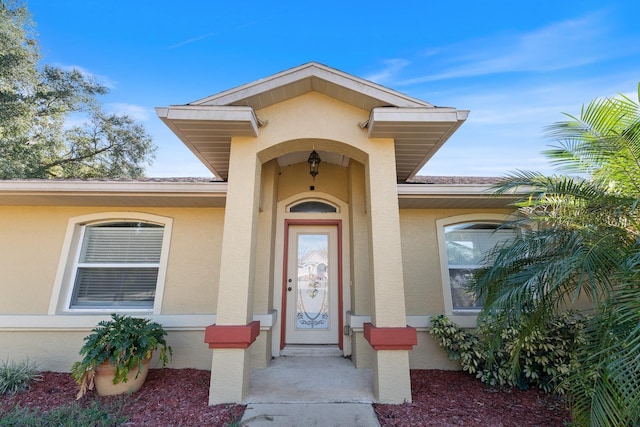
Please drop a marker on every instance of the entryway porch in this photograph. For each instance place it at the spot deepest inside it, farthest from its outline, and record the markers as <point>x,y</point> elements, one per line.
<point>319,378</point>
<point>310,386</point>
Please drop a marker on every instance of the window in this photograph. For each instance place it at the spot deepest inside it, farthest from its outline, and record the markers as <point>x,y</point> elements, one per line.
<point>113,264</point>
<point>118,265</point>
<point>465,247</point>
<point>313,206</point>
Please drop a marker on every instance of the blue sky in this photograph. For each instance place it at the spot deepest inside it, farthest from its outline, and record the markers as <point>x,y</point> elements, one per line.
<point>516,65</point>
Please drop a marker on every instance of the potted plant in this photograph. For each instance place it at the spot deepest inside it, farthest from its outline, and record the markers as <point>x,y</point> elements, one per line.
<point>117,353</point>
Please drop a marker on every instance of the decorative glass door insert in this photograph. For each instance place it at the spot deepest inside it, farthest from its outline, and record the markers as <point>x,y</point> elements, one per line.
<point>312,291</point>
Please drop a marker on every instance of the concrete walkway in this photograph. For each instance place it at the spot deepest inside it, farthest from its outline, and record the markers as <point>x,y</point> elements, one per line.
<point>310,391</point>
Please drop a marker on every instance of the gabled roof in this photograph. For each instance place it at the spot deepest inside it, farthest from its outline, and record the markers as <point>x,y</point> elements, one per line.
<point>207,125</point>
<point>312,77</point>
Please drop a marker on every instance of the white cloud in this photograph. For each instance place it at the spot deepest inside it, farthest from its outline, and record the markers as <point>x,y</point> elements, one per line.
<point>391,68</point>
<point>103,80</point>
<point>136,112</point>
<point>75,120</point>
<point>559,46</point>
<point>191,40</point>
<point>506,126</point>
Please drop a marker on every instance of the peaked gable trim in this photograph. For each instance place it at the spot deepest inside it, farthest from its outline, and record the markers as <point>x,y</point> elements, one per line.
<point>312,77</point>
<point>418,128</point>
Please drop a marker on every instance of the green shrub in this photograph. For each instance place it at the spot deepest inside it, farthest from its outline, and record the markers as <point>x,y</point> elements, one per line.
<point>542,358</point>
<point>125,342</point>
<point>94,414</point>
<point>17,376</point>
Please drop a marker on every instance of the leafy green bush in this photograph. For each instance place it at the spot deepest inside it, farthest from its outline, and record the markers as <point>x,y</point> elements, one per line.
<point>95,414</point>
<point>17,376</point>
<point>542,358</point>
<point>125,342</point>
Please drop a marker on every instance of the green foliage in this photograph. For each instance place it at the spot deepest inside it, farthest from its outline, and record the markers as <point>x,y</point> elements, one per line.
<point>541,358</point>
<point>36,103</point>
<point>580,240</point>
<point>125,342</point>
<point>17,376</point>
<point>94,414</point>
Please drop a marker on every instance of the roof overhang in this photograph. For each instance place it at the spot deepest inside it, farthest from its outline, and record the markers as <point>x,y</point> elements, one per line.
<point>112,193</point>
<point>207,130</point>
<point>418,133</point>
<point>453,196</point>
<point>418,128</point>
<point>312,77</point>
<point>161,193</point>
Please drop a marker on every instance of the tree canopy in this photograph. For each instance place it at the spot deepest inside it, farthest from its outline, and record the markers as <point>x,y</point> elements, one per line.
<point>580,241</point>
<point>36,105</point>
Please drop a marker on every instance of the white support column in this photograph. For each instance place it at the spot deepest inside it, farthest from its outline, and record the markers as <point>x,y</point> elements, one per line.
<point>386,251</point>
<point>391,380</point>
<point>388,334</point>
<point>231,336</point>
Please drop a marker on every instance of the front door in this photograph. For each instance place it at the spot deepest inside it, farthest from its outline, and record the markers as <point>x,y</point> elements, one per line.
<point>312,291</point>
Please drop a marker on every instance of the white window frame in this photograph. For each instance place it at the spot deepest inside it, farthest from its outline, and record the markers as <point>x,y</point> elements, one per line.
<point>441,224</point>
<point>65,277</point>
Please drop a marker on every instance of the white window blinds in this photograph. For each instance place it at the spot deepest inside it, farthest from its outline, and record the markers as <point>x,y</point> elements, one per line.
<point>118,266</point>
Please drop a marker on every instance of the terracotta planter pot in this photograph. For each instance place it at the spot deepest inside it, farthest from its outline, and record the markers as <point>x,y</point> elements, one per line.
<point>104,380</point>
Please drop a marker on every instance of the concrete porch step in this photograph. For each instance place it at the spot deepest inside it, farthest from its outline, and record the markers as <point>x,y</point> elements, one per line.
<point>311,350</point>
<point>310,380</point>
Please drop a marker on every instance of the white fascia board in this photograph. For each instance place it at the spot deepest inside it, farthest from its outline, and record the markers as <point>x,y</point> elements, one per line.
<point>383,117</point>
<point>457,189</point>
<point>110,187</point>
<point>426,114</point>
<point>210,113</point>
<point>306,71</point>
<point>444,189</point>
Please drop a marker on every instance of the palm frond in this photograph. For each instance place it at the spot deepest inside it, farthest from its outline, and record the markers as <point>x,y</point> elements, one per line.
<point>580,239</point>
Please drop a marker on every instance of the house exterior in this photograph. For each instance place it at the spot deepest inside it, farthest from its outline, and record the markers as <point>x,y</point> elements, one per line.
<point>266,258</point>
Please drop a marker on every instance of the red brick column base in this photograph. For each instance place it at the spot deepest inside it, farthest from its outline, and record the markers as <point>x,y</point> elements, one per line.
<point>232,336</point>
<point>390,338</point>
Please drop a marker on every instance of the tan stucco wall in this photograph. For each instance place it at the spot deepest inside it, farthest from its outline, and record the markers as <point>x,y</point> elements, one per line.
<point>363,355</point>
<point>295,179</point>
<point>361,286</point>
<point>428,354</point>
<point>30,250</point>
<point>32,239</point>
<point>56,351</point>
<point>421,258</point>
<point>52,351</point>
<point>313,121</point>
<point>194,261</point>
<point>263,281</point>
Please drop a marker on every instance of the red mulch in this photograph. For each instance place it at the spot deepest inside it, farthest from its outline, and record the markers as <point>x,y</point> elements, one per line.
<point>179,397</point>
<point>169,397</point>
<point>455,398</point>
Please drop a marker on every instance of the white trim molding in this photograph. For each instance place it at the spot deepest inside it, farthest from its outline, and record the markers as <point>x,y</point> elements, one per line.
<point>421,323</point>
<point>62,288</point>
<point>73,322</point>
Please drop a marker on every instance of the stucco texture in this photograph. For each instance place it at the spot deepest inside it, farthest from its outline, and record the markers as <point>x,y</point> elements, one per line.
<point>421,258</point>
<point>32,241</point>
